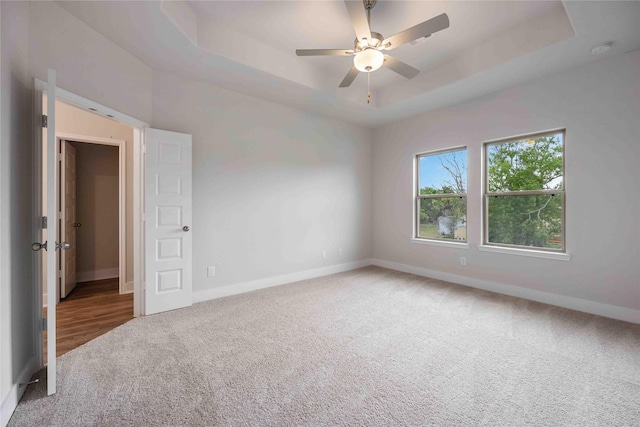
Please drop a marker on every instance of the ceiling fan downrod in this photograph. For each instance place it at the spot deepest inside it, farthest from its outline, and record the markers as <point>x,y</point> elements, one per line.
<point>368,5</point>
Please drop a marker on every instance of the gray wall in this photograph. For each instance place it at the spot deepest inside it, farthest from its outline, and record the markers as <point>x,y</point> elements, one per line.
<point>16,142</point>
<point>598,104</point>
<point>86,63</point>
<point>272,186</point>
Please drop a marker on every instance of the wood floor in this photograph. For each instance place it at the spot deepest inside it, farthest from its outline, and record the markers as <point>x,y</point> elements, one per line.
<point>90,310</point>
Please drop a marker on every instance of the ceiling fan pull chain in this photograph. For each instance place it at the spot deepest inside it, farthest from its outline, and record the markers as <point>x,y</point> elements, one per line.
<point>369,88</point>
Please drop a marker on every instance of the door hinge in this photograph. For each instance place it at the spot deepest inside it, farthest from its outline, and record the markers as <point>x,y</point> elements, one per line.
<point>144,148</point>
<point>44,121</point>
<point>44,323</point>
<point>144,217</point>
<point>44,222</point>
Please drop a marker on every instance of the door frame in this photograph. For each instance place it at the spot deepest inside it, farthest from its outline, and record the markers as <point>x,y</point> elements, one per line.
<point>40,89</point>
<point>122,196</point>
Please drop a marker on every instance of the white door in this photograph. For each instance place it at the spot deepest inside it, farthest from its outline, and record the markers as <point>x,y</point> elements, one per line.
<point>68,217</point>
<point>167,210</point>
<point>52,232</point>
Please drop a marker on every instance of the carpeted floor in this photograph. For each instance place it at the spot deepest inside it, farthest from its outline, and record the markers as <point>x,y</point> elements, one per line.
<point>367,347</point>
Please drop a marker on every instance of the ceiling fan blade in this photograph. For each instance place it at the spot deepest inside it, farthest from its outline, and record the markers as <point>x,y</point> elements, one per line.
<point>359,20</point>
<point>400,67</point>
<point>424,29</point>
<point>319,52</point>
<point>350,77</point>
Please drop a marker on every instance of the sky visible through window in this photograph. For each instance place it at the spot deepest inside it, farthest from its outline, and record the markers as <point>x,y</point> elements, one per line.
<point>432,172</point>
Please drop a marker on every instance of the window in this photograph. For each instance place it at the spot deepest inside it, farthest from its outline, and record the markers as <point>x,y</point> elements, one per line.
<point>524,192</point>
<point>441,195</point>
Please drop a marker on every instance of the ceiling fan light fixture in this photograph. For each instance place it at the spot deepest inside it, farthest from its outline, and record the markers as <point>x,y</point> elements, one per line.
<point>369,45</point>
<point>368,60</point>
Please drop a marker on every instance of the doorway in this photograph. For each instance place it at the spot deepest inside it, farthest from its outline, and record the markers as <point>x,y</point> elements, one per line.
<point>161,242</point>
<point>95,289</point>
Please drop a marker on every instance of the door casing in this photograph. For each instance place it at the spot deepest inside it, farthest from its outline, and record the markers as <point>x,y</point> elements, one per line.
<point>122,188</point>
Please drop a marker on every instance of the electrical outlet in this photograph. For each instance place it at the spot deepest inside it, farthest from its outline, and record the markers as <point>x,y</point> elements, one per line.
<point>211,271</point>
<point>463,260</point>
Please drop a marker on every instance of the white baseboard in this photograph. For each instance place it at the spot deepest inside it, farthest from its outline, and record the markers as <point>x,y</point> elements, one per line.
<point>128,288</point>
<point>105,273</point>
<point>10,402</point>
<point>240,288</point>
<point>592,307</point>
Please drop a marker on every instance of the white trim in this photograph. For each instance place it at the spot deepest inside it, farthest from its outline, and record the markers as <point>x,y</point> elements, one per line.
<point>12,398</point>
<point>592,307</point>
<point>138,223</point>
<point>525,252</point>
<point>122,194</point>
<point>240,288</point>
<point>122,215</point>
<point>524,135</point>
<point>128,288</point>
<point>105,273</point>
<point>94,107</point>
<point>445,243</point>
<point>90,139</point>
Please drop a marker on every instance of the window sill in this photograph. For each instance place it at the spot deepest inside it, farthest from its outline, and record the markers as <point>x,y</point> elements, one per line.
<point>525,252</point>
<point>446,244</point>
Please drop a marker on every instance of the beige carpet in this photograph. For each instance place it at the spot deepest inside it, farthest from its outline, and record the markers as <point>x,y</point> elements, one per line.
<point>367,347</point>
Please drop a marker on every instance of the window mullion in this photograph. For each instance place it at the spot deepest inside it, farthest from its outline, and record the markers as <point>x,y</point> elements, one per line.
<point>442,196</point>
<point>524,193</point>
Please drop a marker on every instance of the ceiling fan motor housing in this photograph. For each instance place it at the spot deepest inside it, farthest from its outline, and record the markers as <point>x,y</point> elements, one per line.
<point>376,40</point>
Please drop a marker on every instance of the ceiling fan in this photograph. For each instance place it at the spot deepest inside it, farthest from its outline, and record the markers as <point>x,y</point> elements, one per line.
<point>368,48</point>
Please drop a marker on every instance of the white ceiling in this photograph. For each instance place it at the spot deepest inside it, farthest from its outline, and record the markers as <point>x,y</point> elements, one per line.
<point>249,47</point>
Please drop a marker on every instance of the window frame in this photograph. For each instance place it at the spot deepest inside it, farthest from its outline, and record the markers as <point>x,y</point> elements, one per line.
<point>486,194</point>
<point>417,197</point>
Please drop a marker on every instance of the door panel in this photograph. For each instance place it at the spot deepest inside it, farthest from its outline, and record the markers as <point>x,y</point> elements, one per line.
<point>68,217</point>
<point>168,239</point>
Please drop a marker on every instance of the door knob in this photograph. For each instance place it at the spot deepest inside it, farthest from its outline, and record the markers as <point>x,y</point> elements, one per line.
<point>37,246</point>
<point>185,228</point>
<point>63,245</point>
